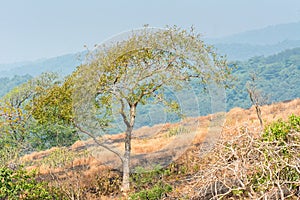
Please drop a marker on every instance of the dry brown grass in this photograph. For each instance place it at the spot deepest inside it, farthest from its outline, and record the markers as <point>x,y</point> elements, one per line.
<point>151,141</point>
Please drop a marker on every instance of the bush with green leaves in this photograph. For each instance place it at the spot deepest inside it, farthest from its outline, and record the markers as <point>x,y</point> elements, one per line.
<point>156,192</point>
<point>20,184</point>
<point>150,184</point>
<point>281,130</point>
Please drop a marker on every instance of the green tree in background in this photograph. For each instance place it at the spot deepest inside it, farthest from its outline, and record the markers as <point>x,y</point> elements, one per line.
<point>15,121</point>
<point>20,131</point>
<point>52,109</point>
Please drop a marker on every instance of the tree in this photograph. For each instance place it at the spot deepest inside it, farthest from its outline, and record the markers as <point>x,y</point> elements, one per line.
<point>52,109</point>
<point>257,98</point>
<point>119,77</point>
<point>14,122</point>
<point>20,131</point>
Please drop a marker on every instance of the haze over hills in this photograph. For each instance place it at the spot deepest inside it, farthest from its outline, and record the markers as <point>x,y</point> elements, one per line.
<point>265,36</point>
<point>64,65</point>
<point>243,51</point>
<point>242,46</point>
<point>266,41</point>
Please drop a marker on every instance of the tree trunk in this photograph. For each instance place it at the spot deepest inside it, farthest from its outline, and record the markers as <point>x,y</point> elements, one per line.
<point>126,158</point>
<point>126,161</point>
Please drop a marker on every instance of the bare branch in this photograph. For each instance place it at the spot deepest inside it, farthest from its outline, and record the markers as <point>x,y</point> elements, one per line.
<point>99,143</point>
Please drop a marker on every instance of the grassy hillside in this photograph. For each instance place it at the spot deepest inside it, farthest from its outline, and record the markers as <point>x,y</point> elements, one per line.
<point>92,173</point>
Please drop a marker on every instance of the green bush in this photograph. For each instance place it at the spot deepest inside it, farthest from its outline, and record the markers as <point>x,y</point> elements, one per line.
<point>149,184</point>
<point>154,193</point>
<point>281,152</point>
<point>20,184</point>
<point>279,130</point>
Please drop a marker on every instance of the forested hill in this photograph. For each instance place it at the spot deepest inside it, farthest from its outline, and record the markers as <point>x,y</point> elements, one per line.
<point>7,84</point>
<point>278,77</point>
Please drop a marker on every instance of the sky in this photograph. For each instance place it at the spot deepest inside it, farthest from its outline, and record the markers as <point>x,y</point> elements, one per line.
<point>35,29</point>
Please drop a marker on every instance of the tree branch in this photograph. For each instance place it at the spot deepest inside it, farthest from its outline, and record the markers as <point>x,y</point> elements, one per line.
<point>99,143</point>
<point>123,113</point>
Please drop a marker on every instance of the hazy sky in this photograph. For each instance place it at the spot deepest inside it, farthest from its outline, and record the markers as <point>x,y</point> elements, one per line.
<point>33,29</point>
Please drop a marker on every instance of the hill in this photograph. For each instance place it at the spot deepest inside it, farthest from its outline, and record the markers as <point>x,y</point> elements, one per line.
<point>260,42</point>
<point>243,51</point>
<point>265,36</point>
<point>7,84</point>
<point>78,169</point>
<point>64,65</point>
<point>277,78</point>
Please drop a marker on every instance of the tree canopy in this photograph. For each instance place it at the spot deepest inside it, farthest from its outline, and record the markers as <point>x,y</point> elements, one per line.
<point>120,76</point>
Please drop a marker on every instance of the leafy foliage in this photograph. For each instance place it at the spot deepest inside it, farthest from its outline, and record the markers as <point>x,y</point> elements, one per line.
<point>149,184</point>
<point>156,192</point>
<point>280,130</point>
<point>20,184</point>
<point>52,110</point>
<point>54,105</point>
<point>20,130</point>
<point>140,70</point>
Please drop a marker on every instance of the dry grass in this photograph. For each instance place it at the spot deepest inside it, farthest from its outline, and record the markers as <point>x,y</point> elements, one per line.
<point>152,143</point>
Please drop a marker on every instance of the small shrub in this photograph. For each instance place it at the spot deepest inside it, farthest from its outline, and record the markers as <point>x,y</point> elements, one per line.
<point>59,158</point>
<point>154,193</point>
<point>279,130</point>
<point>20,184</point>
<point>177,131</point>
<point>108,184</point>
<point>149,184</point>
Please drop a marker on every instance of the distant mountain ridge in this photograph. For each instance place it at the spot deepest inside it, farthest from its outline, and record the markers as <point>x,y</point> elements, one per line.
<point>239,51</point>
<point>265,36</point>
<point>64,65</point>
<point>259,42</point>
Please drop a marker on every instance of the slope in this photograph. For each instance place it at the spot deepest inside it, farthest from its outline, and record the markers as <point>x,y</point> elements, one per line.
<point>79,167</point>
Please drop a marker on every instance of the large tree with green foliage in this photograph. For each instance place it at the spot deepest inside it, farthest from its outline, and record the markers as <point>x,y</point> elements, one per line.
<point>138,70</point>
